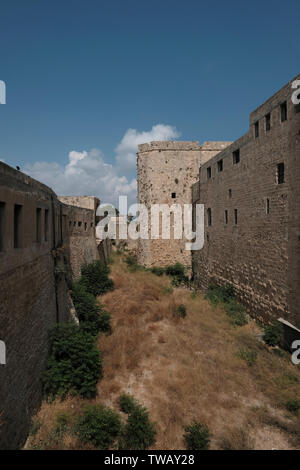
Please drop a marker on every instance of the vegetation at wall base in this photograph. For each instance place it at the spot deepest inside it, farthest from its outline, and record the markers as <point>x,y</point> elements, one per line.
<point>197,436</point>
<point>74,365</point>
<point>177,273</point>
<point>94,278</point>
<point>157,270</point>
<point>98,425</point>
<point>132,264</point>
<point>92,316</point>
<point>225,296</point>
<point>248,355</point>
<point>273,334</point>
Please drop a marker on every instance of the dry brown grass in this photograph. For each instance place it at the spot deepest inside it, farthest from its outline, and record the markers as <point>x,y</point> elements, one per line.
<point>186,369</point>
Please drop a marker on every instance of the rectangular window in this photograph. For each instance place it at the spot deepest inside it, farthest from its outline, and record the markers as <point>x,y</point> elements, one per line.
<point>79,224</point>
<point>280,173</point>
<point>256,129</point>
<point>268,206</point>
<point>236,156</point>
<point>18,225</point>
<point>229,193</point>
<point>283,111</point>
<point>38,225</point>
<point>85,226</point>
<point>208,172</point>
<point>226,216</point>
<point>268,122</point>
<point>209,219</point>
<point>173,195</point>
<point>235,216</point>
<point>2,225</point>
<point>220,165</point>
<point>46,224</point>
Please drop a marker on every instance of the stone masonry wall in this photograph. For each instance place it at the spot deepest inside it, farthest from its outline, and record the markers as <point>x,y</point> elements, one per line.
<point>166,172</point>
<point>255,246</point>
<point>40,252</point>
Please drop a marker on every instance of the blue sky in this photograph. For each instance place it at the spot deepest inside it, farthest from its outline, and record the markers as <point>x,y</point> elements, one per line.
<point>79,74</point>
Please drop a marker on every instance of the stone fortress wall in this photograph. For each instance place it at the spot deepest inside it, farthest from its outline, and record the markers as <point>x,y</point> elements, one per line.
<point>43,243</point>
<point>166,172</point>
<point>251,194</point>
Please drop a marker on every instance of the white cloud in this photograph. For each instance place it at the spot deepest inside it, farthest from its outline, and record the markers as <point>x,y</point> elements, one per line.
<point>87,174</point>
<point>127,148</point>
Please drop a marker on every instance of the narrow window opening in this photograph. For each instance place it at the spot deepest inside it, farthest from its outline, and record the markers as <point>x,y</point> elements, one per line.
<point>283,111</point>
<point>229,193</point>
<point>208,172</point>
<point>38,225</point>
<point>235,216</point>
<point>268,122</point>
<point>85,226</point>
<point>268,206</point>
<point>280,173</point>
<point>256,129</point>
<point>79,224</point>
<point>236,156</point>
<point>226,217</point>
<point>46,224</point>
<point>176,180</point>
<point>18,209</point>
<point>2,225</point>
<point>209,218</point>
<point>220,165</point>
<point>173,195</point>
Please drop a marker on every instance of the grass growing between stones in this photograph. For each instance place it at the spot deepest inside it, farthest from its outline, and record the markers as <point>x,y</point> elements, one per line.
<point>198,368</point>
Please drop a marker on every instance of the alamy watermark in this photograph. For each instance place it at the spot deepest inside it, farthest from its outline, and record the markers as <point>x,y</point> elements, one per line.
<point>153,222</point>
<point>2,92</point>
<point>296,354</point>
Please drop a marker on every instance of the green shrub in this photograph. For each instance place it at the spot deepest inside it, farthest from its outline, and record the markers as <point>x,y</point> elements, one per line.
<point>92,316</point>
<point>139,432</point>
<point>180,311</point>
<point>175,270</point>
<point>177,273</point>
<point>157,270</point>
<point>99,425</point>
<point>248,355</point>
<point>293,406</point>
<point>236,312</point>
<point>225,295</point>
<point>94,278</point>
<point>273,334</point>
<point>220,294</point>
<point>197,436</point>
<point>127,403</point>
<point>131,261</point>
<point>74,364</point>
